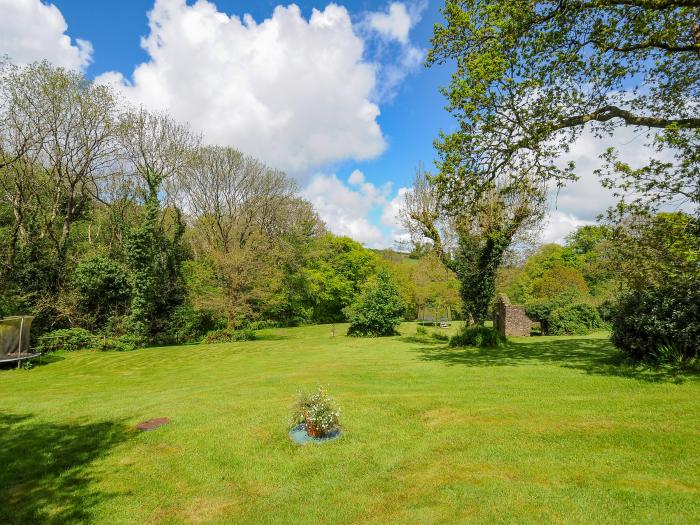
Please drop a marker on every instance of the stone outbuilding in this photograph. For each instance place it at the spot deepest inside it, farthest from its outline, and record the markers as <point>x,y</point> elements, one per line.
<point>511,319</point>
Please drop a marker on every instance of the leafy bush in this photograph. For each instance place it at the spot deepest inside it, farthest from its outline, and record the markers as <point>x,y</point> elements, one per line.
<point>262,325</point>
<point>479,336</point>
<point>541,309</point>
<point>318,411</point>
<point>378,309</point>
<point>660,323</point>
<point>70,339</point>
<point>102,287</point>
<point>190,324</point>
<point>606,310</point>
<point>110,344</point>
<point>229,335</point>
<point>574,319</point>
<point>421,330</point>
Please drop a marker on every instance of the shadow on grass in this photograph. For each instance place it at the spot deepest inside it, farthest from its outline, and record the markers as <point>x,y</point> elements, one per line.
<point>593,356</point>
<point>422,339</point>
<point>45,468</point>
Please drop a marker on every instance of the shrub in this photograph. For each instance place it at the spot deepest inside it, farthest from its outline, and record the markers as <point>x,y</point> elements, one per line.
<point>318,411</point>
<point>541,309</point>
<point>69,339</point>
<point>606,310</point>
<point>262,325</point>
<point>660,323</point>
<point>479,336</point>
<point>229,335</point>
<point>574,319</point>
<point>110,344</point>
<point>378,309</point>
<point>421,330</point>
<point>102,287</point>
<point>190,324</point>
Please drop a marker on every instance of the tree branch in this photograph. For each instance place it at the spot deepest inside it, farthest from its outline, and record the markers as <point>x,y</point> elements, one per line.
<point>607,113</point>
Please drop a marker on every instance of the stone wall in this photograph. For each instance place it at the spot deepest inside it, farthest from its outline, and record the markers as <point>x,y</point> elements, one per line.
<point>510,319</point>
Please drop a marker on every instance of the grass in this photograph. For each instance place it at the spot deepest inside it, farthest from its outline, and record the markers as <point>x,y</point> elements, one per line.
<point>549,429</point>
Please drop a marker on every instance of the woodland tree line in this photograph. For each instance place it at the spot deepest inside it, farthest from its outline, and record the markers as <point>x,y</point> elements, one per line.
<point>121,221</point>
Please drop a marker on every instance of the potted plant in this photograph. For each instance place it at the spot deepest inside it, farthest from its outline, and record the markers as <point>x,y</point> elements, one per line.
<point>318,412</point>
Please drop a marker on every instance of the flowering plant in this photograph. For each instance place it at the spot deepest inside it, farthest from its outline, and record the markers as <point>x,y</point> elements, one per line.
<point>318,412</point>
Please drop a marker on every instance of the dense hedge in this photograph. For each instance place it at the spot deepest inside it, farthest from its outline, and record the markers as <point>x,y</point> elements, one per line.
<point>479,336</point>
<point>229,335</point>
<point>660,323</point>
<point>565,314</point>
<point>70,339</point>
<point>574,319</point>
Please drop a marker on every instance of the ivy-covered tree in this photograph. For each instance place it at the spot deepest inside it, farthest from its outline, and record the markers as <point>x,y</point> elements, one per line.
<point>472,228</point>
<point>155,148</point>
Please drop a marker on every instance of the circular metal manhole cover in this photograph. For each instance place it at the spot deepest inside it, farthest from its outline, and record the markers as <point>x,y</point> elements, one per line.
<point>152,424</point>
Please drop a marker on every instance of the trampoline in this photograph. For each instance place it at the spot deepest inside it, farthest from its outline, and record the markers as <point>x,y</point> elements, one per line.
<point>14,339</point>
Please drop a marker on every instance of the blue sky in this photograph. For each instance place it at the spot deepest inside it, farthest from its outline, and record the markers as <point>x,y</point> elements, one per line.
<point>334,94</point>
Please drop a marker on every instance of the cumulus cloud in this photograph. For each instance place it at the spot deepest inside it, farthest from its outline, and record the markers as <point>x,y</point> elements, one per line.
<point>349,208</point>
<point>580,202</point>
<point>558,225</point>
<point>31,30</point>
<point>396,23</point>
<point>296,93</point>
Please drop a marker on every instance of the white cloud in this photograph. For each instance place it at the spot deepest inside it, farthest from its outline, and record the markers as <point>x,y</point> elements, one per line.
<point>393,50</point>
<point>559,225</point>
<point>356,177</point>
<point>296,93</point>
<point>348,209</point>
<point>31,30</point>
<point>396,23</point>
<point>580,202</point>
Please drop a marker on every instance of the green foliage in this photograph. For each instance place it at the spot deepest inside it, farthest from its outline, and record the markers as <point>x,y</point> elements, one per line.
<point>190,324</point>
<point>560,279</point>
<point>650,321</point>
<point>229,335</point>
<point>476,262</point>
<point>421,330</point>
<point>378,309</point>
<point>337,268</point>
<point>479,336</point>
<point>262,325</point>
<point>102,286</point>
<point>155,261</point>
<point>531,76</point>
<point>541,309</point>
<point>574,319</point>
<point>585,239</point>
<point>69,339</point>
<point>318,411</point>
<point>119,344</point>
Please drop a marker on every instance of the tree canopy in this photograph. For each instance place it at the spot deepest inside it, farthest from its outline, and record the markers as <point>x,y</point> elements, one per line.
<point>532,75</point>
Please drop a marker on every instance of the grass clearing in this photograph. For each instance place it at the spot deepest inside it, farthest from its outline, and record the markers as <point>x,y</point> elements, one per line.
<point>548,429</point>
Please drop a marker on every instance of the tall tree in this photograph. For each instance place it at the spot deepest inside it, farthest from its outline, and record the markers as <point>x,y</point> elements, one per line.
<point>58,139</point>
<point>155,148</point>
<point>242,209</point>
<point>472,226</point>
<point>532,75</point>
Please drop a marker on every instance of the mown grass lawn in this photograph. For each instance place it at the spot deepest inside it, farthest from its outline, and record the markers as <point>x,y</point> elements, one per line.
<point>546,430</point>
